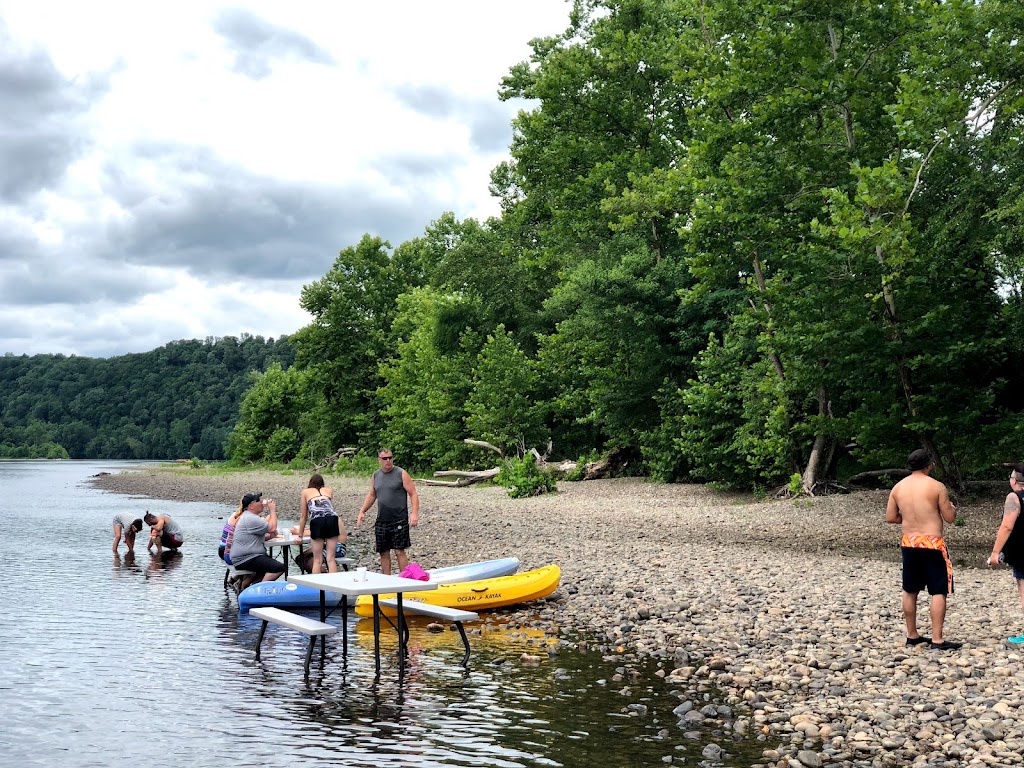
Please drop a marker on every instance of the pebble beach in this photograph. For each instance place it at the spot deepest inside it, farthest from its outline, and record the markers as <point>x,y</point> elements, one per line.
<point>770,620</point>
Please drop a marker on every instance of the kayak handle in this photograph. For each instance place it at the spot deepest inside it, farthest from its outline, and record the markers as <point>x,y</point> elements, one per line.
<point>482,589</point>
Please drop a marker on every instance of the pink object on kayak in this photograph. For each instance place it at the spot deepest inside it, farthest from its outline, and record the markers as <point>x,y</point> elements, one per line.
<point>414,571</point>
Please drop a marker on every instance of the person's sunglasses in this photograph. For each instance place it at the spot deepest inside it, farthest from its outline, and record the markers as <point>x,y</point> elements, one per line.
<point>386,458</point>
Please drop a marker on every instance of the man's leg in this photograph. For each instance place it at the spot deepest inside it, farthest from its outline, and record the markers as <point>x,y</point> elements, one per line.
<point>385,562</point>
<point>402,559</point>
<point>1020,590</point>
<point>117,537</point>
<point>910,614</point>
<point>938,613</point>
<point>272,576</point>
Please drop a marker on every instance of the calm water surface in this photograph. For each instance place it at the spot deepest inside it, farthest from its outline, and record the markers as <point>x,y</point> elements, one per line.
<point>109,661</point>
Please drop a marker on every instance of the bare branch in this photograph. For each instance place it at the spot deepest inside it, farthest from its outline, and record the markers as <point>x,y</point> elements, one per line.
<point>976,115</point>
<point>920,170</point>
<point>484,444</point>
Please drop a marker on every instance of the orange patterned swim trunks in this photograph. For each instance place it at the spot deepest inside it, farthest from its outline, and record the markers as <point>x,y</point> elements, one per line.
<point>926,563</point>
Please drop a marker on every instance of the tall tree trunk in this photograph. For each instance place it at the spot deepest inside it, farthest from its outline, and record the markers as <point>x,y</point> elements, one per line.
<point>822,450</point>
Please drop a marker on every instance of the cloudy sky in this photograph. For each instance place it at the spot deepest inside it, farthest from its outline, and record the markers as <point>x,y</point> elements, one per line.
<point>180,170</point>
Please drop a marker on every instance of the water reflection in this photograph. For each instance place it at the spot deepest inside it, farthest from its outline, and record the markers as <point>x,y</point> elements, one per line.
<point>160,564</point>
<point>81,689</point>
<point>126,563</point>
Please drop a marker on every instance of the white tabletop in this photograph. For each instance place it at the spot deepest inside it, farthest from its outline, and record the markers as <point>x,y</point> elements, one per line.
<point>345,582</point>
<point>287,540</point>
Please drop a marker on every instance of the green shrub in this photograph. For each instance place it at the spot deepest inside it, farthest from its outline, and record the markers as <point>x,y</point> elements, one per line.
<point>522,477</point>
<point>281,445</point>
<point>796,485</point>
<point>360,464</point>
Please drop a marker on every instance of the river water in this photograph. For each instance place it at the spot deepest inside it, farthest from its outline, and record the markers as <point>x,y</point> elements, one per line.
<point>109,660</point>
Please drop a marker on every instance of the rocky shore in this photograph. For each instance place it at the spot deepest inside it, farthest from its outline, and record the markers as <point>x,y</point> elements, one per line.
<point>772,620</point>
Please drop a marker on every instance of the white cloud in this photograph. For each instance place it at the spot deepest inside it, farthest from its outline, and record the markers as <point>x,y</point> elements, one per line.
<point>166,163</point>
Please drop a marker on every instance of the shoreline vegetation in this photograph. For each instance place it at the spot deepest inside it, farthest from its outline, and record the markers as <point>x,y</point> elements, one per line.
<point>776,620</point>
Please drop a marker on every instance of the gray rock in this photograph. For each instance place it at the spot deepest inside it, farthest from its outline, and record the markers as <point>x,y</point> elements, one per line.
<point>808,758</point>
<point>712,752</point>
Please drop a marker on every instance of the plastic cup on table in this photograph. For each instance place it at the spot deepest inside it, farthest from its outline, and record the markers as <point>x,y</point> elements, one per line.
<point>361,574</point>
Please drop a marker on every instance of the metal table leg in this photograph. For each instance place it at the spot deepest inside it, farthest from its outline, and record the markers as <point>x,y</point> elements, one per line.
<point>401,636</point>
<point>376,632</point>
<point>323,618</point>
<point>344,626</point>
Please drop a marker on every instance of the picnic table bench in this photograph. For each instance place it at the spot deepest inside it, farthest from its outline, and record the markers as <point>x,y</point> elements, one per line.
<point>454,615</point>
<point>306,626</point>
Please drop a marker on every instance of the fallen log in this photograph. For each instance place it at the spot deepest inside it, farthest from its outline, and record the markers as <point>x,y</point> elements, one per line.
<point>896,473</point>
<point>465,478</point>
<point>332,460</point>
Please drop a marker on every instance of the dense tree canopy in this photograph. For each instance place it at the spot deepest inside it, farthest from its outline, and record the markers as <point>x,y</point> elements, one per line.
<point>177,401</point>
<point>752,242</point>
<point>747,241</point>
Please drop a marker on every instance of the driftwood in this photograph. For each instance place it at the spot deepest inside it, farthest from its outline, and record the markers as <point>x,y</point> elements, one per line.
<point>895,473</point>
<point>484,444</point>
<point>613,462</point>
<point>465,478</point>
<point>332,460</point>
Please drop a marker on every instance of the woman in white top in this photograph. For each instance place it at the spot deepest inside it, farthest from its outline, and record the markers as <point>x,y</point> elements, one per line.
<point>325,527</point>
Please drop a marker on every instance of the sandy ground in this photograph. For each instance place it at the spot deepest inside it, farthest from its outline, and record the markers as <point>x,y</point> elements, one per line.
<point>786,612</point>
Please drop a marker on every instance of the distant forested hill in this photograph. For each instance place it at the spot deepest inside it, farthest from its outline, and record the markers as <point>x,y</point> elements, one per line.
<point>179,400</point>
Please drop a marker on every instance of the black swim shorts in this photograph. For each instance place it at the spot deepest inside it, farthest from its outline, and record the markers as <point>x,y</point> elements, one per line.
<point>261,564</point>
<point>924,568</point>
<point>324,527</point>
<point>391,534</point>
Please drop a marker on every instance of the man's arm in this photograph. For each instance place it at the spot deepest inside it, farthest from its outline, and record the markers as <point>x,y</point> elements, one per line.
<point>1011,510</point>
<point>410,488</point>
<point>272,522</point>
<point>946,509</point>
<point>892,510</point>
<point>367,503</point>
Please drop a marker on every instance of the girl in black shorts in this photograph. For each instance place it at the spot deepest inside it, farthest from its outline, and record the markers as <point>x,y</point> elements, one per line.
<point>325,527</point>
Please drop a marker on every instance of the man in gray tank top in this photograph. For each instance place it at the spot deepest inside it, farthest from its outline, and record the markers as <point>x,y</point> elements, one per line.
<point>391,488</point>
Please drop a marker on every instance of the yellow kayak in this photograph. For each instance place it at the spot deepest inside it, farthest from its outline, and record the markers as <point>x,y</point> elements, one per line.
<point>476,595</point>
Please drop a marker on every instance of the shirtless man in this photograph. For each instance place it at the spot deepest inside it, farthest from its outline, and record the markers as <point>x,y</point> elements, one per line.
<point>921,504</point>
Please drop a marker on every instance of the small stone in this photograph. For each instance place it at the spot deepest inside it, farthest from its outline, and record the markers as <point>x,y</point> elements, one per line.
<point>712,752</point>
<point>808,758</point>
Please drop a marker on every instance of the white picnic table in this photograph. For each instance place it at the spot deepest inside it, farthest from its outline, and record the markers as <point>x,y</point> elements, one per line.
<point>364,583</point>
<point>285,542</point>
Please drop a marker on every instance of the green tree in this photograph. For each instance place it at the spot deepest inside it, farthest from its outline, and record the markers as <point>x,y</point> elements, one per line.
<point>268,417</point>
<point>354,308</point>
<point>426,384</point>
<point>502,405</point>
